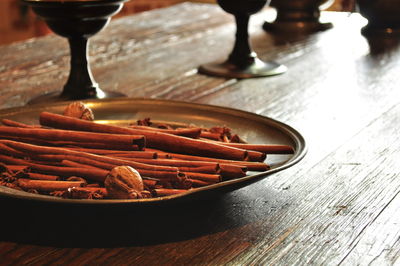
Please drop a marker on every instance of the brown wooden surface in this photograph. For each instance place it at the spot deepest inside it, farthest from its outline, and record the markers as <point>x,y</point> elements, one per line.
<point>339,205</point>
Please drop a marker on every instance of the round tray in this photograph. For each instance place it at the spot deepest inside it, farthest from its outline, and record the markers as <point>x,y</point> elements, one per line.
<point>251,127</point>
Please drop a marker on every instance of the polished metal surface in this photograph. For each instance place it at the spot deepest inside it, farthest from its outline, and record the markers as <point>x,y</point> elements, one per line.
<point>296,26</point>
<point>252,127</point>
<point>258,69</point>
<point>298,16</point>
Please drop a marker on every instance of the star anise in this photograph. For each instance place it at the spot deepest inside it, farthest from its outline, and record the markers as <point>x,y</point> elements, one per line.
<point>144,122</point>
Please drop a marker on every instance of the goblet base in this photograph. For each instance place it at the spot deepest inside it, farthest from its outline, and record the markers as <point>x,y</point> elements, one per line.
<point>256,69</point>
<point>380,31</point>
<point>296,26</point>
<point>57,97</point>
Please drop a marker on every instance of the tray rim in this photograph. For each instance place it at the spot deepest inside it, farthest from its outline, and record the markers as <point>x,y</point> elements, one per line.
<point>300,151</point>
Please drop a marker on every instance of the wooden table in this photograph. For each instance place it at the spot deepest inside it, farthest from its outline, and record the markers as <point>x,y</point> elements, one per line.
<point>339,205</point>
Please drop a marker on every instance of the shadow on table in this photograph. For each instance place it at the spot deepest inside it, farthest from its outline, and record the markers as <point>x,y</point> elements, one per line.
<point>113,226</point>
<point>379,45</point>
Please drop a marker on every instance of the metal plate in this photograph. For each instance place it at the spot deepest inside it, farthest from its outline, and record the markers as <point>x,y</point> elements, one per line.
<point>251,127</point>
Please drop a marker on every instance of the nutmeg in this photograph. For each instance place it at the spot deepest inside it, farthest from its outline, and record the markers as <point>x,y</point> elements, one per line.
<point>79,110</point>
<point>124,182</point>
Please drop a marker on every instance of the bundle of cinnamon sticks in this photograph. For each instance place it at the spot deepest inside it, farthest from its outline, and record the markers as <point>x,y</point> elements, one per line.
<point>71,157</point>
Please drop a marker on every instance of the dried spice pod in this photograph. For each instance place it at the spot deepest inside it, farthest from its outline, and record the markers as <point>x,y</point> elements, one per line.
<point>124,182</point>
<point>79,110</point>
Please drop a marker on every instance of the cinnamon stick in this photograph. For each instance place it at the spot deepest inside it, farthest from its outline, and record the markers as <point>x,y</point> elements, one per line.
<point>88,163</point>
<point>116,153</point>
<point>211,135</point>
<point>77,136</point>
<point>175,162</point>
<point>211,178</point>
<point>6,150</point>
<point>162,175</point>
<point>96,145</point>
<point>185,166</point>
<point>35,150</point>
<point>93,174</point>
<point>228,171</point>
<point>191,132</point>
<point>75,164</point>
<point>26,170</point>
<point>106,163</point>
<point>200,183</point>
<point>154,139</point>
<point>207,169</point>
<point>12,123</point>
<point>160,192</point>
<point>44,162</point>
<point>72,144</point>
<point>255,156</point>
<point>47,185</point>
<point>43,177</point>
<point>251,166</point>
<point>265,148</point>
<point>140,154</point>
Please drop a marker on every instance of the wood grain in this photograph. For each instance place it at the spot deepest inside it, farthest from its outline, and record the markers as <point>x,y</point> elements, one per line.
<point>338,206</point>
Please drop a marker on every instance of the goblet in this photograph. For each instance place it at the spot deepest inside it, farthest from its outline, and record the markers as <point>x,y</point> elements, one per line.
<point>383,17</point>
<point>242,62</point>
<point>298,16</point>
<point>77,20</point>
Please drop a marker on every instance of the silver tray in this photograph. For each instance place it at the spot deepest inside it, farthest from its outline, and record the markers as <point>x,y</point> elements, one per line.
<point>251,127</point>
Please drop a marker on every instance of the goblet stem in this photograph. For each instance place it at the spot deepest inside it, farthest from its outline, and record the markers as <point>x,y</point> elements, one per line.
<point>80,84</point>
<point>242,53</point>
<point>242,62</point>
